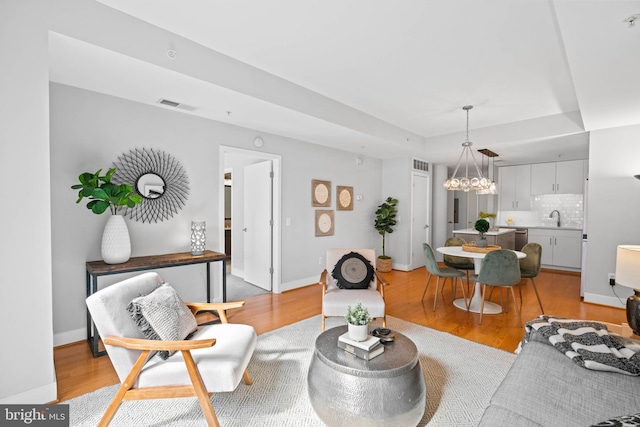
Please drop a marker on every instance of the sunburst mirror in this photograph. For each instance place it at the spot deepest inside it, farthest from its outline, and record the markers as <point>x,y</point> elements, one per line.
<point>158,177</point>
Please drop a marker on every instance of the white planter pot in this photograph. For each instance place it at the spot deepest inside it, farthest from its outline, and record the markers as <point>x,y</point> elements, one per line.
<point>358,332</point>
<point>116,245</point>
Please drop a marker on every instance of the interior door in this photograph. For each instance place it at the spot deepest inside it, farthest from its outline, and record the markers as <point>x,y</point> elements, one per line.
<point>420,219</point>
<point>258,224</point>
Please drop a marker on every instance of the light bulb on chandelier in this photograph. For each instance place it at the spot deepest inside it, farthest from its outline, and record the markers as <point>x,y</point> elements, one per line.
<point>467,183</point>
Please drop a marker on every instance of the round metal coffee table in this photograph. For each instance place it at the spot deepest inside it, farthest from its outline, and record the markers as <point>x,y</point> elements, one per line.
<point>388,390</point>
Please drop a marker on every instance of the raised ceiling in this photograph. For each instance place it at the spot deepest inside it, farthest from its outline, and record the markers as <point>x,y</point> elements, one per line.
<point>378,77</point>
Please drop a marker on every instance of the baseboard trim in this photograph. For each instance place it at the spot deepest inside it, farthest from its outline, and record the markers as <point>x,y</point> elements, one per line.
<point>300,283</point>
<point>604,300</point>
<point>68,337</point>
<point>402,267</point>
<point>37,396</point>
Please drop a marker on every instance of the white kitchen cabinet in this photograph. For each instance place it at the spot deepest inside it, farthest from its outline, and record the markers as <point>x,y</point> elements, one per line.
<point>560,248</point>
<point>558,177</point>
<point>515,187</point>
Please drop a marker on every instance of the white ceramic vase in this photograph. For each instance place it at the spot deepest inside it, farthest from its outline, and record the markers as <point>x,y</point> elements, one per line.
<point>358,332</point>
<point>116,245</point>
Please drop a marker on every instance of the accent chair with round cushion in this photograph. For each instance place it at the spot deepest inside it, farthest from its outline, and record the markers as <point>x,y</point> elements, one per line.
<point>446,272</point>
<point>350,277</point>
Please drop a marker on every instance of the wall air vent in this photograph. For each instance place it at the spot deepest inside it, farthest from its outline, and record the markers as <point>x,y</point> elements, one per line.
<point>174,104</point>
<point>420,165</point>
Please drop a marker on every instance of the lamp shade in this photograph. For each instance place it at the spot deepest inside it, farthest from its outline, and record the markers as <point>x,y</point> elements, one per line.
<point>198,237</point>
<point>628,266</point>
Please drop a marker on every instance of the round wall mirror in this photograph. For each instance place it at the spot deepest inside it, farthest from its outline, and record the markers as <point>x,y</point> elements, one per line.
<point>158,177</point>
<point>150,186</point>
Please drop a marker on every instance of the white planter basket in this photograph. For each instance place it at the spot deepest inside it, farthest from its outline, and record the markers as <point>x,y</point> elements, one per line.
<point>358,332</point>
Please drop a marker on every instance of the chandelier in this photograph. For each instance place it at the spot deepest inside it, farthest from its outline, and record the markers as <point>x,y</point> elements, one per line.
<point>467,183</point>
<point>493,187</point>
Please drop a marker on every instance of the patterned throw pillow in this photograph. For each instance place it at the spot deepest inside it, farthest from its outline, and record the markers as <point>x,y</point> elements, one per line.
<point>621,421</point>
<point>353,271</point>
<point>162,315</point>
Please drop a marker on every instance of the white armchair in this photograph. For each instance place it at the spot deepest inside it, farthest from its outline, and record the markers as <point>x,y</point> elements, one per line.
<point>214,359</point>
<point>336,300</point>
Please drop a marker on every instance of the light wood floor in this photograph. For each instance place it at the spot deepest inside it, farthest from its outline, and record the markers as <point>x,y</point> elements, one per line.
<point>78,372</point>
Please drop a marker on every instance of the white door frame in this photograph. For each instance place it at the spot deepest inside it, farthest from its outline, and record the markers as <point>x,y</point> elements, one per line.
<point>277,205</point>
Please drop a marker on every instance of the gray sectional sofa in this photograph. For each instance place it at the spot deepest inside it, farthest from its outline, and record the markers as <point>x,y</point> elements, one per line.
<point>544,387</point>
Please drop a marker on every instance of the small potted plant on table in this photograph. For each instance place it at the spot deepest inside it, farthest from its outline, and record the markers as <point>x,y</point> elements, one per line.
<point>482,226</point>
<point>358,320</point>
<point>104,195</point>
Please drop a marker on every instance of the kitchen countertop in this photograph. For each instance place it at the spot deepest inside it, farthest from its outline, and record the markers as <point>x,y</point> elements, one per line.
<point>489,233</point>
<point>545,227</point>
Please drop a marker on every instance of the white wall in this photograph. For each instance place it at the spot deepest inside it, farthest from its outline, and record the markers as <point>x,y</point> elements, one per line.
<point>89,130</point>
<point>396,183</point>
<point>439,209</point>
<point>26,358</point>
<point>613,206</point>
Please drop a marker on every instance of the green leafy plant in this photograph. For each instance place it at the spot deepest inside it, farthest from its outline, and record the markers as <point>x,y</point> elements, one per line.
<point>386,220</point>
<point>482,226</point>
<point>103,194</point>
<point>358,315</point>
<point>486,215</point>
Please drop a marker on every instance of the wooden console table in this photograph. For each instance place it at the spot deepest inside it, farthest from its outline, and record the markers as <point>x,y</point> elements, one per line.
<point>96,269</point>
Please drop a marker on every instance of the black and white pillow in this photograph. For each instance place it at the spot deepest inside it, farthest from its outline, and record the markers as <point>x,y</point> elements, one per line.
<point>162,315</point>
<point>621,421</point>
<point>353,271</point>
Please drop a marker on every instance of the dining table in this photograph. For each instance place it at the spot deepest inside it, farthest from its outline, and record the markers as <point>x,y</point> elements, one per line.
<point>476,301</point>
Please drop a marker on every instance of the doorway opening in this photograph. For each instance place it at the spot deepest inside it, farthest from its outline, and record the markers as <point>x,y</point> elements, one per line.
<point>250,221</point>
<point>420,217</point>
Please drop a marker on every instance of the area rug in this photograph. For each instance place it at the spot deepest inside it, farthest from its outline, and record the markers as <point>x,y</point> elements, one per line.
<point>460,375</point>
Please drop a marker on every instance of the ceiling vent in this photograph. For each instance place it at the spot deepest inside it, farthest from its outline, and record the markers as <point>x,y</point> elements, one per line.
<point>420,165</point>
<point>178,105</point>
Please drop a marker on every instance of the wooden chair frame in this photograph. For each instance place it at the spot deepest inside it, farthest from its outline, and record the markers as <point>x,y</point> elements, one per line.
<point>197,387</point>
<point>381,283</point>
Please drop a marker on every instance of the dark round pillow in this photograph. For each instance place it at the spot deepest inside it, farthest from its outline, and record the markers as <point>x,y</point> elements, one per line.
<point>353,271</point>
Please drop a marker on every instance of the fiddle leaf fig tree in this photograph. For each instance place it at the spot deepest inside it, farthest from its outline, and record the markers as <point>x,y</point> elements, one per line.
<point>386,220</point>
<point>103,194</point>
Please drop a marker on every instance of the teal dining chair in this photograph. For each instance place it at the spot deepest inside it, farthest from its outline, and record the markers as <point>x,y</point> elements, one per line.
<point>445,272</point>
<point>459,263</point>
<point>500,268</point>
<point>530,267</point>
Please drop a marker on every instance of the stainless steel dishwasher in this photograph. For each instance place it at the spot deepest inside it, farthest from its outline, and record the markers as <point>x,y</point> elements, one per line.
<point>522,237</point>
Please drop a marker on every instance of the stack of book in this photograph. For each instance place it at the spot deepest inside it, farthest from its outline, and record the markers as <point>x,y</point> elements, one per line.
<point>367,349</point>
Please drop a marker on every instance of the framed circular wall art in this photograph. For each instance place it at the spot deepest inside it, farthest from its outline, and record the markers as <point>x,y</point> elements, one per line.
<point>320,193</point>
<point>344,196</point>
<point>324,223</point>
<point>158,177</point>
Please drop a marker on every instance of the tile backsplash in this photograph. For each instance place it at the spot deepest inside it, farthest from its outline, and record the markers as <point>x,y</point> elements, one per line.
<point>570,206</point>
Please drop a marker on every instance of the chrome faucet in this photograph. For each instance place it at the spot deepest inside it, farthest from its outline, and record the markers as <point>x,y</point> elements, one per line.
<point>551,215</point>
